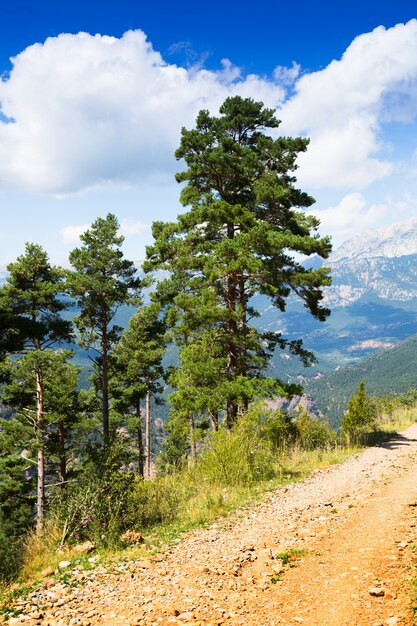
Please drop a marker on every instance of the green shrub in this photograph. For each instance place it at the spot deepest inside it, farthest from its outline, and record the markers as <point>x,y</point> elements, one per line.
<point>360,417</point>
<point>155,501</point>
<point>242,456</point>
<point>313,434</point>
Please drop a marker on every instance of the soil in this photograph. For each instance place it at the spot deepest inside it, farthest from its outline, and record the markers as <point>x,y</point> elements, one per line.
<point>333,550</point>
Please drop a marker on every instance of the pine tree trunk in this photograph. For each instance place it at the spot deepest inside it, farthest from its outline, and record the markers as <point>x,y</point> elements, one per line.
<point>214,421</point>
<point>105,386</point>
<point>232,329</point>
<point>40,427</point>
<point>148,433</point>
<point>62,455</point>
<point>140,441</point>
<point>193,449</point>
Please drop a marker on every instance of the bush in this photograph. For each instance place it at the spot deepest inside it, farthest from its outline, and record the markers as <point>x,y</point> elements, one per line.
<point>155,501</point>
<point>10,556</point>
<point>235,458</point>
<point>313,434</point>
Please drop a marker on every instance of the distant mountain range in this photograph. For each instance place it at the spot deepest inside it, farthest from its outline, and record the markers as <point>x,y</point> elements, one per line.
<point>373,300</point>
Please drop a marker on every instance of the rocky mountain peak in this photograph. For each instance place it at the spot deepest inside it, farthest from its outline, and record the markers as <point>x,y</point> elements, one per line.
<point>390,242</point>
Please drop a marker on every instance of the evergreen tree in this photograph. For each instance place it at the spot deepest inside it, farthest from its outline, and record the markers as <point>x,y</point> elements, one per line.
<point>101,282</point>
<point>138,372</point>
<point>245,222</point>
<point>60,405</point>
<point>11,338</point>
<point>360,415</point>
<point>30,299</point>
<point>17,488</point>
<point>65,417</point>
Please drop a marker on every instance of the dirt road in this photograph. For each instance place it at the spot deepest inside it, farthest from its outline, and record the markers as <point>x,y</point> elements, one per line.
<point>334,550</point>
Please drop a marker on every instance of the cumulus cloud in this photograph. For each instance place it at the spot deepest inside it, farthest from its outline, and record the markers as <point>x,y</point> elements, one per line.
<point>129,228</point>
<point>354,213</point>
<point>82,111</point>
<point>86,111</point>
<point>343,107</point>
<point>287,75</point>
<point>71,234</point>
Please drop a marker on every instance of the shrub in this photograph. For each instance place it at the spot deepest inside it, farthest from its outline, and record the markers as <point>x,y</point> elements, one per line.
<point>360,416</point>
<point>313,434</point>
<point>155,501</point>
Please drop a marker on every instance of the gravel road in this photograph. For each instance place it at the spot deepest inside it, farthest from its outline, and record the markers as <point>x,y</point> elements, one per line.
<point>333,550</point>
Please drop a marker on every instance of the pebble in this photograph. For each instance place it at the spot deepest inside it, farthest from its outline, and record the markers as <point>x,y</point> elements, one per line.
<point>376,591</point>
<point>64,564</point>
<point>49,571</point>
<point>186,617</point>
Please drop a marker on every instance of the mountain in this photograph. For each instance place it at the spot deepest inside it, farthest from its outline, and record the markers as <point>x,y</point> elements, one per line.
<point>373,299</point>
<point>376,264</point>
<point>392,371</point>
<point>392,241</point>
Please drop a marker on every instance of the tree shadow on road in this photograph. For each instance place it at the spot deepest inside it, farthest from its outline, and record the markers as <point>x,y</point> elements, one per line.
<point>393,441</point>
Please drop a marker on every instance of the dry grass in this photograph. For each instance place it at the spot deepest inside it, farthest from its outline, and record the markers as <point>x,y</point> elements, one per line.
<point>204,493</point>
<point>398,420</point>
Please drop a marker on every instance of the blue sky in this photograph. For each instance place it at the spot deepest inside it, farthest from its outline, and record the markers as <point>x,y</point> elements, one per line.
<point>89,123</point>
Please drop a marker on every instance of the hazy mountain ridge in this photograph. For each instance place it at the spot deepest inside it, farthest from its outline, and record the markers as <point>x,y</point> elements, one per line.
<point>397,240</point>
<point>375,264</point>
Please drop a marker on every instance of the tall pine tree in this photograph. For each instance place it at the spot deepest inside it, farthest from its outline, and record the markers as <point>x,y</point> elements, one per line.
<point>31,300</point>
<point>102,281</point>
<point>138,372</point>
<point>241,236</point>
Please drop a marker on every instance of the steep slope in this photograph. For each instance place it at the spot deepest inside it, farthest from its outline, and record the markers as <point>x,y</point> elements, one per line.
<point>392,371</point>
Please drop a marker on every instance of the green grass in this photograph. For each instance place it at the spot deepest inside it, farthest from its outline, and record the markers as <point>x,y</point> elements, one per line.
<point>289,556</point>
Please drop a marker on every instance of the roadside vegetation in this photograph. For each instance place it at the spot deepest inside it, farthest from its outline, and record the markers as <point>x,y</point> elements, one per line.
<point>126,517</point>
<point>79,465</point>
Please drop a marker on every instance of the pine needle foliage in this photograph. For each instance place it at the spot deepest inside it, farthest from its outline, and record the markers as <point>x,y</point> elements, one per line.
<point>244,227</point>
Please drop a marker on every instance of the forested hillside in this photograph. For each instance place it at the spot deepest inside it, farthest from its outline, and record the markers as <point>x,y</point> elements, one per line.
<point>388,372</point>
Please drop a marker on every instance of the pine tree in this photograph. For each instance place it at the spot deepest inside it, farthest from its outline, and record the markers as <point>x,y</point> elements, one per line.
<point>30,297</point>
<point>360,415</point>
<point>101,282</point>
<point>65,417</point>
<point>245,224</point>
<point>138,371</point>
<point>60,405</point>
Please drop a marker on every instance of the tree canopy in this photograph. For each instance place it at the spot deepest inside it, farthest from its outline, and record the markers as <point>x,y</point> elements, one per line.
<point>242,234</point>
<point>102,281</point>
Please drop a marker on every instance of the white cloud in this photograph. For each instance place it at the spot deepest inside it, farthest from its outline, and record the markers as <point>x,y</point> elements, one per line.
<point>129,228</point>
<point>71,234</point>
<point>343,107</point>
<point>354,214</point>
<point>90,111</point>
<point>98,112</point>
<point>287,75</point>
